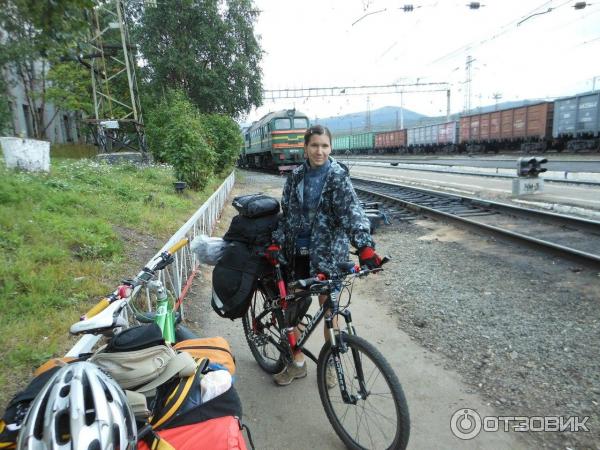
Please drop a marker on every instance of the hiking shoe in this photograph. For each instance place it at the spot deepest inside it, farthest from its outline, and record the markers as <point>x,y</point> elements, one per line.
<point>290,373</point>
<point>330,375</point>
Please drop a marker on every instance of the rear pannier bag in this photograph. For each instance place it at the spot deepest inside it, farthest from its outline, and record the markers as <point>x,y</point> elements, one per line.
<point>222,433</point>
<point>234,277</point>
<point>256,205</point>
<point>252,231</point>
<point>234,280</point>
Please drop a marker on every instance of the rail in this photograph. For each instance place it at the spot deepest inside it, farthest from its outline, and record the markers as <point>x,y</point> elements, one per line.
<point>178,276</point>
<point>565,236</point>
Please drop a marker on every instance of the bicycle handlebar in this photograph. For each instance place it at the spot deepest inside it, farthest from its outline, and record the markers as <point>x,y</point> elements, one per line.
<point>162,261</point>
<point>177,246</point>
<point>348,268</point>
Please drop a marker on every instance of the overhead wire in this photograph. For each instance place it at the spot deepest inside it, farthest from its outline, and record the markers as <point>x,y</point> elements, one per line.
<point>510,26</point>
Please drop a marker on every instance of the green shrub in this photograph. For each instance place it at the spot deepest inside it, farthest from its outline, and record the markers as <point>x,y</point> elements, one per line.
<point>177,136</point>
<point>196,145</point>
<point>225,139</point>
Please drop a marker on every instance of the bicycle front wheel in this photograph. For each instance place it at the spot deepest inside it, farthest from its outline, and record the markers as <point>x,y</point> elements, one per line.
<point>377,415</point>
<point>262,331</point>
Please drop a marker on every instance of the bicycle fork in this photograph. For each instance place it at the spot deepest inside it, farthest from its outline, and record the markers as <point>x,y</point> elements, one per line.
<point>337,348</point>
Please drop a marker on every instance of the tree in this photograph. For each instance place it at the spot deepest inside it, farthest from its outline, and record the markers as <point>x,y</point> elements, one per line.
<point>70,87</point>
<point>225,139</point>
<point>177,135</point>
<point>207,48</point>
<point>35,34</point>
<point>5,116</point>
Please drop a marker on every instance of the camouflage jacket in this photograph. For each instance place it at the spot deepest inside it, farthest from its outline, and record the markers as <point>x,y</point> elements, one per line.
<point>339,220</point>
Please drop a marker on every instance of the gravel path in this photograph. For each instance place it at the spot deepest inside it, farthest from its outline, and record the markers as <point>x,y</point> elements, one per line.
<point>522,329</point>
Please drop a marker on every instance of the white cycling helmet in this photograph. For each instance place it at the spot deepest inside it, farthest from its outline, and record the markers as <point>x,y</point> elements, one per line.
<point>79,408</point>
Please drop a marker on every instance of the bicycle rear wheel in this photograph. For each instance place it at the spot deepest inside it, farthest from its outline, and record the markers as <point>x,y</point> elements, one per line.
<point>379,419</point>
<point>262,331</point>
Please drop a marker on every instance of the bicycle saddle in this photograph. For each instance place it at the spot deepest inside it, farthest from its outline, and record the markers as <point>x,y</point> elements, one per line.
<point>107,319</point>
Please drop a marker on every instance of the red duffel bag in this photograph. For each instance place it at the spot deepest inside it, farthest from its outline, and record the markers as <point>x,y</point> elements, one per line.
<point>222,433</point>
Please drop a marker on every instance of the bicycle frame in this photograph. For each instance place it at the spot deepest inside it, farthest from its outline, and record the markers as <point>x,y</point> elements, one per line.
<point>328,310</point>
<point>110,313</point>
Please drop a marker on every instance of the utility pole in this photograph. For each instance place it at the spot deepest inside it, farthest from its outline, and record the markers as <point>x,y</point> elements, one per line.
<point>402,110</point>
<point>118,122</point>
<point>468,80</point>
<point>368,118</point>
<point>496,96</point>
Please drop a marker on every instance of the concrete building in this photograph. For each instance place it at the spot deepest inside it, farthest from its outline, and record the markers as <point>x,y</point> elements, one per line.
<point>61,127</point>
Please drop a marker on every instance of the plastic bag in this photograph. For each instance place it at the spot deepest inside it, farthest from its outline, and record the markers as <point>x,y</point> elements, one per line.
<point>208,250</point>
<point>214,384</point>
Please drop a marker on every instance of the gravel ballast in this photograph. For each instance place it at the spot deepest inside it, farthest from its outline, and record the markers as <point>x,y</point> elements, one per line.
<point>522,328</point>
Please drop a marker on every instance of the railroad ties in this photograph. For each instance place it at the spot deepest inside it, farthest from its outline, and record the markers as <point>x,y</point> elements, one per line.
<point>564,236</point>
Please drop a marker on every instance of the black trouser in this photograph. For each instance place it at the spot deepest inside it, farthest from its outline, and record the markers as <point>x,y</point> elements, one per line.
<point>297,309</point>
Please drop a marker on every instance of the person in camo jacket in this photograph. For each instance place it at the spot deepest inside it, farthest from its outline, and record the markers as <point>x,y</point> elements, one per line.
<point>321,216</point>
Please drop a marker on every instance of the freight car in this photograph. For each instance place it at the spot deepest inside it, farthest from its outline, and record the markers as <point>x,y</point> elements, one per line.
<point>433,138</point>
<point>275,142</point>
<point>362,142</point>
<point>390,141</point>
<point>526,128</point>
<point>353,143</point>
<point>341,144</point>
<point>577,122</point>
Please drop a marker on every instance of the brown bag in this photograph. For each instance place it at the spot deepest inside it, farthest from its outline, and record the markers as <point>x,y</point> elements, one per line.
<point>216,349</point>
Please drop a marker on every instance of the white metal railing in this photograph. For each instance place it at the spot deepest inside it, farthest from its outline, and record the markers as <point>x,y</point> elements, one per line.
<point>178,276</point>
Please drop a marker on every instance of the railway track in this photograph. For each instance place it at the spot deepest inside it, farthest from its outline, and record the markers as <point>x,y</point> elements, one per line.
<point>564,236</point>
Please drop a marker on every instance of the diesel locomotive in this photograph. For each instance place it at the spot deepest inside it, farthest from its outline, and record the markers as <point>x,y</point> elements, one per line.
<point>275,142</point>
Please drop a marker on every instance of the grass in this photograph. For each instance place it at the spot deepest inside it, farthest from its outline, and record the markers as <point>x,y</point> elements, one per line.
<point>62,249</point>
<point>76,151</point>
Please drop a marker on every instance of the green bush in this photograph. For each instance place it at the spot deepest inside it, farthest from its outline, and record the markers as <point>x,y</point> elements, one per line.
<point>177,136</point>
<point>224,138</point>
<point>196,145</point>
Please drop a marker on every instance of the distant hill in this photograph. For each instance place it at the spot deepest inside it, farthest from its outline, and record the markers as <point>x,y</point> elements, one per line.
<point>385,118</point>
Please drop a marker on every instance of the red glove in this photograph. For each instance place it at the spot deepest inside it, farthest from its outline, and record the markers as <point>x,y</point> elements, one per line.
<point>368,257</point>
<point>272,254</point>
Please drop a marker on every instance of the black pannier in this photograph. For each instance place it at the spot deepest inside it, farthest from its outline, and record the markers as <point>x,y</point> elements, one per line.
<point>234,277</point>
<point>234,280</point>
<point>256,205</point>
<point>252,231</point>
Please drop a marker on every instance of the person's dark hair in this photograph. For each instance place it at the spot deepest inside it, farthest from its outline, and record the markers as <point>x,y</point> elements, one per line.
<point>317,129</point>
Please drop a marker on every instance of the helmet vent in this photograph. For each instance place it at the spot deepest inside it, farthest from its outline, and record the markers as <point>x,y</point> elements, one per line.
<point>88,398</point>
<point>63,431</point>
<point>38,427</point>
<point>116,436</point>
<point>95,445</point>
<point>65,391</point>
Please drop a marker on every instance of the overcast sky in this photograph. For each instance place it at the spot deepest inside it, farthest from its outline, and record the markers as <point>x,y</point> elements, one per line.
<point>323,43</point>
